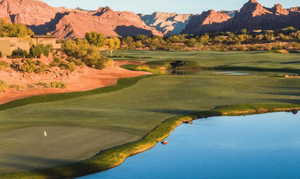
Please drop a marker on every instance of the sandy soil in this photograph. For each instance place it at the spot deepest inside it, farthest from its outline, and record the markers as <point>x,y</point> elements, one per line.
<point>82,80</point>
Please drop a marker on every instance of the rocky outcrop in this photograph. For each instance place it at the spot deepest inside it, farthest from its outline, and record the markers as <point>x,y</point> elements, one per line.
<point>103,20</point>
<point>167,23</point>
<point>279,10</point>
<point>69,23</point>
<point>209,21</point>
<point>29,12</point>
<point>251,16</point>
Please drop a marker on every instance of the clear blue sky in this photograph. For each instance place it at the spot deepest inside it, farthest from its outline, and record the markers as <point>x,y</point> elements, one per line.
<point>180,6</point>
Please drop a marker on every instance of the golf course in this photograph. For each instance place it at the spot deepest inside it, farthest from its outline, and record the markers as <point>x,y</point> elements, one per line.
<point>86,131</point>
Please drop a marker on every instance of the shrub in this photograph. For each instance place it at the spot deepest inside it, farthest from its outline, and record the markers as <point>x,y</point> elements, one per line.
<point>42,84</point>
<point>67,66</point>
<point>14,30</point>
<point>3,65</point>
<point>19,53</point>
<point>57,84</point>
<point>55,62</point>
<point>17,87</point>
<point>38,50</point>
<point>70,64</point>
<point>76,61</point>
<point>90,55</point>
<point>3,86</point>
<point>54,84</point>
<point>29,66</point>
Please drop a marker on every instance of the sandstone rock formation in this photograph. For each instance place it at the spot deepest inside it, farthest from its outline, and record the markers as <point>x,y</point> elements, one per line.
<point>29,12</point>
<point>209,21</point>
<point>67,23</point>
<point>103,20</point>
<point>167,23</point>
<point>251,16</point>
<point>71,23</point>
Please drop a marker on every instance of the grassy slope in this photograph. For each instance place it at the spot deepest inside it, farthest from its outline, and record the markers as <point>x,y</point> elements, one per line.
<point>139,108</point>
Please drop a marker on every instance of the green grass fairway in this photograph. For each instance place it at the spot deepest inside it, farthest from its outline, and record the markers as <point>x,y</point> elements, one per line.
<point>61,146</point>
<point>81,125</point>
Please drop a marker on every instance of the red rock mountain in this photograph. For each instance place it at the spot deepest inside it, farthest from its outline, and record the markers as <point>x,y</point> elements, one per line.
<point>104,20</point>
<point>69,23</point>
<point>209,21</point>
<point>66,23</point>
<point>29,12</point>
<point>251,16</point>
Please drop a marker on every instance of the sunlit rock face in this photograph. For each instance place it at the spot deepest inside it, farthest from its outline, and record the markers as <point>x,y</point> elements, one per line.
<point>72,23</point>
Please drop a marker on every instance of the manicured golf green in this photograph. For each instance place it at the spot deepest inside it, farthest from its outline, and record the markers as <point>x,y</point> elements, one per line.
<point>80,125</point>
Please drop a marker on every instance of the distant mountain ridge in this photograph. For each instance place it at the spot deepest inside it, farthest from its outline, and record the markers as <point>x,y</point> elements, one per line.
<point>72,23</point>
<point>251,16</point>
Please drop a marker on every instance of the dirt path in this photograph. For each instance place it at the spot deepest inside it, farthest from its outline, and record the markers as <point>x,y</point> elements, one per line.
<point>86,80</point>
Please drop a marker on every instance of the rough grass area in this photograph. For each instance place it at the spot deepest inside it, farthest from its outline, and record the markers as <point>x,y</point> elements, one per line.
<point>140,105</point>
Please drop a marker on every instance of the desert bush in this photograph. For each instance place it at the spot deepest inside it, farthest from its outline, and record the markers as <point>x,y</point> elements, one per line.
<point>3,65</point>
<point>89,54</point>
<point>55,62</point>
<point>38,50</point>
<point>70,66</point>
<point>19,53</point>
<point>29,66</point>
<point>17,87</point>
<point>54,84</point>
<point>42,84</point>
<point>14,30</point>
<point>57,84</point>
<point>3,86</point>
<point>76,61</point>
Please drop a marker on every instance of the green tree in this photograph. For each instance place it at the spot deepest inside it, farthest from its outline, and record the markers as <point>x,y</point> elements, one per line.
<point>204,39</point>
<point>112,44</point>
<point>89,54</point>
<point>13,30</point>
<point>95,38</point>
<point>191,42</point>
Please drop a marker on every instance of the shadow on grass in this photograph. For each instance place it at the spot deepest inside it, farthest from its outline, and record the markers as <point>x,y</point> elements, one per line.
<point>256,69</point>
<point>173,111</point>
<point>22,162</point>
<point>290,62</point>
<point>64,169</point>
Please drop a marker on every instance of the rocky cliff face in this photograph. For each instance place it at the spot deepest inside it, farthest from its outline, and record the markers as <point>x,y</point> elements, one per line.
<point>167,23</point>
<point>103,20</point>
<point>67,23</point>
<point>209,21</point>
<point>29,12</point>
<point>70,23</point>
<point>251,16</point>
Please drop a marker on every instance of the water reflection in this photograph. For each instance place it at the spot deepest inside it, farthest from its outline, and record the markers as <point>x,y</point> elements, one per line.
<point>256,146</point>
